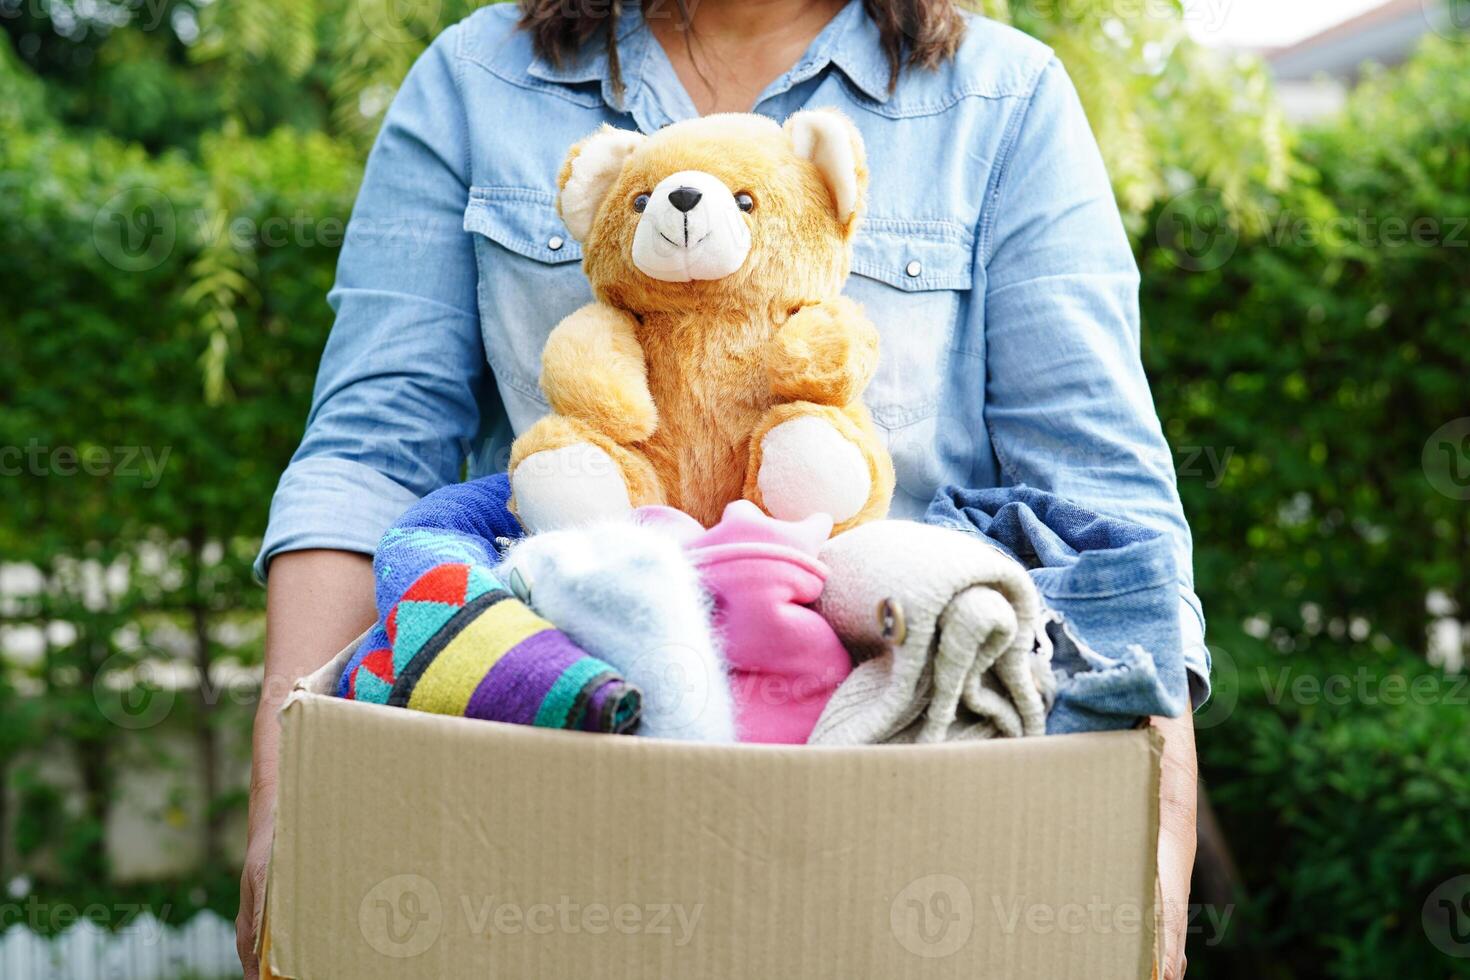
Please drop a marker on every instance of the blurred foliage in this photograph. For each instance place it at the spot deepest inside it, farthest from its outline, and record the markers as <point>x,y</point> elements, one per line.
<point>136,473</point>
<point>1341,782</point>
<point>1320,360</point>
<point>1168,112</point>
<point>174,180</point>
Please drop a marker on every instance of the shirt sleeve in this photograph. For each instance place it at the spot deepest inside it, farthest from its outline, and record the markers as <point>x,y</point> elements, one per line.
<point>399,390</point>
<point>1068,406</point>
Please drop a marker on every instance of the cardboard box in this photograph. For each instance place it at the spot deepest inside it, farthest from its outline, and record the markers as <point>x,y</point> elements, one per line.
<point>411,845</point>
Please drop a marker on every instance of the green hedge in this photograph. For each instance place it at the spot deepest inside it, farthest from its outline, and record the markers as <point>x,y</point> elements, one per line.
<point>1342,789</point>
<point>159,342</point>
<point>1319,360</point>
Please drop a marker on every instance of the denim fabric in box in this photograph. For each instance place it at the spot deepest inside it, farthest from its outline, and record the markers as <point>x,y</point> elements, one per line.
<point>1113,585</point>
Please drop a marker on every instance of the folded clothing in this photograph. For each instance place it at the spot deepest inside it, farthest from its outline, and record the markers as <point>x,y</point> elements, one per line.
<point>452,639</point>
<point>469,523</point>
<point>627,594</point>
<point>945,628</point>
<point>1111,590</point>
<point>762,574</point>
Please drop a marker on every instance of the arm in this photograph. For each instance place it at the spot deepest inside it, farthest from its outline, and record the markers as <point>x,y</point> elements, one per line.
<point>825,353</point>
<point>398,393</point>
<point>1068,406</point>
<point>317,603</point>
<point>1178,797</point>
<point>592,369</point>
<point>395,405</point>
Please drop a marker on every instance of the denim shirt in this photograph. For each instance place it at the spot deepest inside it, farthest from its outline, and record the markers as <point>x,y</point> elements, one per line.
<point>1109,590</point>
<point>992,260</point>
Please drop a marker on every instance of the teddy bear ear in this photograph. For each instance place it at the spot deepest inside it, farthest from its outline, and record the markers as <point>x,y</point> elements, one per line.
<point>591,167</point>
<point>829,139</point>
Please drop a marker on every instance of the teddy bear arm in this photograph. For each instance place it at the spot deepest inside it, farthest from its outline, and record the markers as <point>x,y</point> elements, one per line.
<point>825,353</point>
<point>593,370</point>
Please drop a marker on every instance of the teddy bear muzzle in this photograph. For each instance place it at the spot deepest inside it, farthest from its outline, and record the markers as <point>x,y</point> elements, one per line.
<point>691,228</point>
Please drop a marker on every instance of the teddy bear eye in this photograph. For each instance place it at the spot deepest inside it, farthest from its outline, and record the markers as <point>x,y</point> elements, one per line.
<point>640,202</point>
<point>745,202</point>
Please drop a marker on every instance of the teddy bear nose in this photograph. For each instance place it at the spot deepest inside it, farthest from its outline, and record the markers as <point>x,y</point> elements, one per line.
<point>684,198</point>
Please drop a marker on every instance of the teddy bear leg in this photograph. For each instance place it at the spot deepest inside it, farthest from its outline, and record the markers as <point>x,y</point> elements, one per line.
<point>808,459</point>
<point>563,473</point>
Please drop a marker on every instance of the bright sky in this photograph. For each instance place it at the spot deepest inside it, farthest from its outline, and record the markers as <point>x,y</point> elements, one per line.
<point>1259,23</point>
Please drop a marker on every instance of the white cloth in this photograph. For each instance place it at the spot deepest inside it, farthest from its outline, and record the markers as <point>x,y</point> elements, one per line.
<point>628,594</point>
<point>965,663</point>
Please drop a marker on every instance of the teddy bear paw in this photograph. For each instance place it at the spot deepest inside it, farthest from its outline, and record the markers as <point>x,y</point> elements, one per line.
<point>576,484</point>
<point>807,467</point>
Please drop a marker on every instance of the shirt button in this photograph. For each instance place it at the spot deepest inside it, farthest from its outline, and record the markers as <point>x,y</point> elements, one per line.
<point>913,269</point>
<point>556,243</point>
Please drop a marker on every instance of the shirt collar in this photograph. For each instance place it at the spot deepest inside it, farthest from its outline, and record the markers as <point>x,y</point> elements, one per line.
<point>851,42</point>
<point>858,51</point>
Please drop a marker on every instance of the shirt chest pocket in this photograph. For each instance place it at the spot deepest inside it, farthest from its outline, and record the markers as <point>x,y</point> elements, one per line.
<point>913,279</point>
<point>530,277</point>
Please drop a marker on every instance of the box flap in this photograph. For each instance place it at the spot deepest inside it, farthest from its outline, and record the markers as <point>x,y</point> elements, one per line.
<point>324,679</point>
<point>412,845</point>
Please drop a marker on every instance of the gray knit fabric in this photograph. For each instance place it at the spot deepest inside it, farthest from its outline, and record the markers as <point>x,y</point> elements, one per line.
<point>967,664</point>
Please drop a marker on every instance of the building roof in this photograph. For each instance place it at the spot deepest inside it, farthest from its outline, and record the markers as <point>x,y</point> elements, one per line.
<point>1386,34</point>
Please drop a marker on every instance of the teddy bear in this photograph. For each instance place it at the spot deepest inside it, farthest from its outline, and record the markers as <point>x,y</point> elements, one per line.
<point>719,360</point>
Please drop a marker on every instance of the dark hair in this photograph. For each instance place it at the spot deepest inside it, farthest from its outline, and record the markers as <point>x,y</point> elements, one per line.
<point>913,33</point>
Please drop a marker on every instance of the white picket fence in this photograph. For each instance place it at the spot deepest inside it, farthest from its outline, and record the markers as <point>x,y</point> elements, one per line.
<point>144,949</point>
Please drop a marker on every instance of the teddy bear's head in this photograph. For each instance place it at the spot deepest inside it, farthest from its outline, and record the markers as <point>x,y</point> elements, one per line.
<point>727,209</point>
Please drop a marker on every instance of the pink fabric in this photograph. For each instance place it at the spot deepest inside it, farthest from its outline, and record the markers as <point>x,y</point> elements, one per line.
<point>762,574</point>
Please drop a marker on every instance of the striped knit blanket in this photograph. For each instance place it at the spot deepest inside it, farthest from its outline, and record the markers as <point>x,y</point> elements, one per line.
<point>453,640</point>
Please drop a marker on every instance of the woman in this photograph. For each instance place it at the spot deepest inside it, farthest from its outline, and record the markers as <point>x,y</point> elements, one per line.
<point>992,260</point>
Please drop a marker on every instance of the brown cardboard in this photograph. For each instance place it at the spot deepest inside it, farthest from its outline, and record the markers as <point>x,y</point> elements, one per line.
<point>411,845</point>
